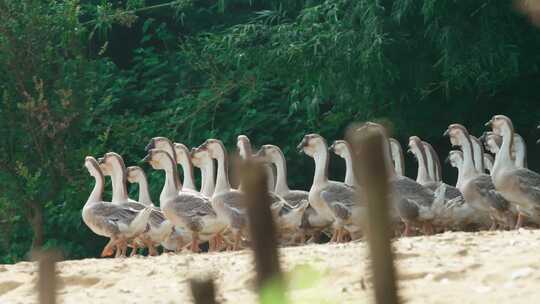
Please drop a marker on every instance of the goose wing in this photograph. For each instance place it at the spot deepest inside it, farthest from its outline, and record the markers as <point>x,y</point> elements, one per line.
<point>486,189</point>
<point>109,217</point>
<point>529,183</point>
<point>295,198</point>
<point>340,198</point>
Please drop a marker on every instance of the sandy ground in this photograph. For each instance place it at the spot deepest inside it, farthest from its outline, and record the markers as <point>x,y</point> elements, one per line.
<point>484,267</point>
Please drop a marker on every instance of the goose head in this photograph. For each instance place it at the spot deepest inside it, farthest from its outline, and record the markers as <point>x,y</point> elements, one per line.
<point>215,148</point>
<point>492,141</point>
<point>162,143</point>
<point>341,148</point>
<point>93,167</point>
<point>243,144</point>
<point>200,157</point>
<point>311,144</point>
<point>267,153</point>
<point>159,159</point>
<point>415,146</point>
<point>457,134</point>
<point>501,125</point>
<point>135,174</point>
<point>455,158</point>
<point>110,161</point>
<point>181,152</point>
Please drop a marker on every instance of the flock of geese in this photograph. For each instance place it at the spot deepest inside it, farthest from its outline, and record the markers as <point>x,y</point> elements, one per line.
<point>491,192</point>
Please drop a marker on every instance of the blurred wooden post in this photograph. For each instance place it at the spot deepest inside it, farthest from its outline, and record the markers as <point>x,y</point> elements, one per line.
<point>262,233</point>
<point>203,291</point>
<point>370,169</point>
<point>46,284</point>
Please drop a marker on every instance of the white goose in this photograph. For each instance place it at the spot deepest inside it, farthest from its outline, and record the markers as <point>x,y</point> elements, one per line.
<point>160,228</point>
<point>112,164</point>
<point>288,217</point>
<point>521,186</point>
<point>117,222</point>
<point>343,150</point>
<point>311,223</point>
<point>410,201</point>
<point>227,202</point>
<point>477,188</point>
<point>184,209</point>
<point>331,199</point>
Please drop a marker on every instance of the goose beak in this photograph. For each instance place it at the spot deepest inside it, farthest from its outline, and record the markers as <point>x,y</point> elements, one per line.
<point>447,159</point>
<point>301,145</point>
<point>101,160</point>
<point>331,148</point>
<point>538,127</point>
<point>147,158</point>
<point>489,123</point>
<point>409,150</point>
<point>538,141</point>
<point>150,146</point>
<point>446,133</point>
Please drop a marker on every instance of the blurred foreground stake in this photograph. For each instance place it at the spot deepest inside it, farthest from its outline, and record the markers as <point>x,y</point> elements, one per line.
<point>371,169</point>
<point>46,284</point>
<point>262,233</point>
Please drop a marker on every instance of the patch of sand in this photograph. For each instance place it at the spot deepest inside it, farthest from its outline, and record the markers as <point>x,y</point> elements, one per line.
<point>456,267</point>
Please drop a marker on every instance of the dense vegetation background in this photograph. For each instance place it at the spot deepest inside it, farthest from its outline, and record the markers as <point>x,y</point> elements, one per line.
<point>83,77</point>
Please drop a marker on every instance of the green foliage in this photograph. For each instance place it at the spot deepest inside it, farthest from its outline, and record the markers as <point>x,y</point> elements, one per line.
<point>273,70</point>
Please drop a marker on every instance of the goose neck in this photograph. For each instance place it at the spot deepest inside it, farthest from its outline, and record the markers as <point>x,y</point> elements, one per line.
<point>119,185</point>
<point>503,159</point>
<point>282,186</point>
<point>187,170</point>
<point>468,169</point>
<point>97,192</point>
<point>172,185</point>
<point>422,176</point>
<point>207,177</point>
<point>321,166</point>
<point>222,180</point>
<point>349,170</point>
<point>144,193</point>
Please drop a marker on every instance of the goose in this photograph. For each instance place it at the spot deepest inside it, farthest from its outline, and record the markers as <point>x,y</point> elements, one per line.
<point>288,217</point>
<point>333,200</point>
<point>227,202</point>
<point>521,186</point>
<point>492,143</point>
<point>411,202</point>
<point>433,162</point>
<point>117,222</point>
<point>160,228</point>
<point>203,161</point>
<point>312,223</point>
<point>343,150</point>
<point>477,188</point>
<point>184,209</point>
<point>112,164</point>
<point>397,156</point>
<point>462,214</point>
<point>418,148</point>
<point>165,144</point>
<point>183,157</point>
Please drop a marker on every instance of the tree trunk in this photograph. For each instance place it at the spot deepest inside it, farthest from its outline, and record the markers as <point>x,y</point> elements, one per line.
<point>36,220</point>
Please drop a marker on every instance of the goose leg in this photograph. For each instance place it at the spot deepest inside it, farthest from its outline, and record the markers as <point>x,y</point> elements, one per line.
<point>520,219</point>
<point>407,231</point>
<point>134,248</point>
<point>428,228</point>
<point>334,237</point>
<point>237,239</point>
<point>108,249</point>
<point>195,242</point>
